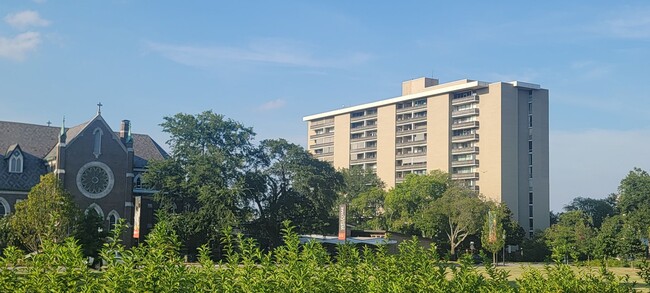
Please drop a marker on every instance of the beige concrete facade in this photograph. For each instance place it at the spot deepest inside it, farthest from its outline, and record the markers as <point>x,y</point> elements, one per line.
<point>491,137</point>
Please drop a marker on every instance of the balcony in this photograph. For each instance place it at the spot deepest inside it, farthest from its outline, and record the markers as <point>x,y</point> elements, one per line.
<point>411,131</point>
<point>464,163</point>
<point>363,138</point>
<point>323,144</point>
<point>411,119</point>
<point>463,113</point>
<point>473,175</point>
<point>321,135</point>
<point>322,124</point>
<point>411,166</point>
<point>412,142</point>
<point>463,138</point>
<point>364,160</point>
<point>408,155</point>
<point>463,125</point>
<point>323,154</point>
<point>464,151</point>
<point>411,108</point>
<point>365,127</point>
<point>363,117</point>
<point>464,100</point>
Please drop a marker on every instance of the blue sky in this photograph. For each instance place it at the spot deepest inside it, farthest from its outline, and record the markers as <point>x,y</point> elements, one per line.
<point>269,63</point>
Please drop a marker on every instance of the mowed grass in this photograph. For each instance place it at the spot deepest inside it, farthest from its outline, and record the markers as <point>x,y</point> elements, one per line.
<point>517,269</point>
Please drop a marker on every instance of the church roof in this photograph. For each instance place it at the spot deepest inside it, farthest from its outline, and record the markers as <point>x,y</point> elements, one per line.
<point>33,139</point>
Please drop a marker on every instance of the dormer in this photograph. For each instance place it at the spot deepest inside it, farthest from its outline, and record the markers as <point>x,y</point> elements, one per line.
<point>16,159</point>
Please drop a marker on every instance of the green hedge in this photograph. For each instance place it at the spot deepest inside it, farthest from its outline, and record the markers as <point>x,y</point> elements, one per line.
<point>157,267</point>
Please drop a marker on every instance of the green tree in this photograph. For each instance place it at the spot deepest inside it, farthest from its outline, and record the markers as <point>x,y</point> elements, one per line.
<point>634,201</point>
<point>288,183</point>
<point>405,202</point>
<point>91,233</point>
<point>461,213</point>
<point>200,185</point>
<point>364,193</point>
<point>571,236</point>
<point>48,213</point>
<point>492,236</point>
<point>596,209</point>
<point>606,242</point>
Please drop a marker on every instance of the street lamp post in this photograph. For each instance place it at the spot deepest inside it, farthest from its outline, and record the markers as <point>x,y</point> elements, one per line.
<point>504,248</point>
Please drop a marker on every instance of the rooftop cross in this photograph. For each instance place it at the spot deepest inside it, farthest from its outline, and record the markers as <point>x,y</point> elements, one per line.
<point>49,123</point>
<point>99,108</point>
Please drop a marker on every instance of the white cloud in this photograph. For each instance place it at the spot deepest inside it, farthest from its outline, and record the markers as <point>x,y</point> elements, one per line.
<point>271,51</point>
<point>16,48</point>
<point>26,19</point>
<point>272,105</point>
<point>591,163</point>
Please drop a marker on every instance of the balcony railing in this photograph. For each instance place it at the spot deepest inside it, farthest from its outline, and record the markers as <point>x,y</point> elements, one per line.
<point>411,119</point>
<point>363,117</point>
<point>464,100</point>
<point>467,112</point>
<point>322,144</point>
<point>363,160</point>
<point>468,150</point>
<point>365,127</point>
<point>462,138</point>
<point>322,134</point>
<point>408,155</point>
<point>363,138</point>
<point>410,108</point>
<point>411,166</point>
<point>411,131</point>
<point>322,124</point>
<point>473,175</point>
<point>464,163</point>
<point>463,125</point>
<point>412,142</point>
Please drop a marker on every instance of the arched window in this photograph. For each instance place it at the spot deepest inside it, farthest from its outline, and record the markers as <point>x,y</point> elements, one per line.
<point>95,208</point>
<point>113,217</point>
<point>137,182</point>
<point>16,162</point>
<point>97,150</point>
<point>4,207</point>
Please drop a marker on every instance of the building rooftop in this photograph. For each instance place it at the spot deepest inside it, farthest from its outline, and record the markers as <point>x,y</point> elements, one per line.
<point>427,89</point>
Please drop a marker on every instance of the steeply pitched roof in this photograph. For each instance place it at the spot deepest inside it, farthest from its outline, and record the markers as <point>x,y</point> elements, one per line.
<point>146,149</point>
<point>33,139</point>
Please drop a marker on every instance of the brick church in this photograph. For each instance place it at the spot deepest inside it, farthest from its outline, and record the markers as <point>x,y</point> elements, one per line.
<point>100,168</point>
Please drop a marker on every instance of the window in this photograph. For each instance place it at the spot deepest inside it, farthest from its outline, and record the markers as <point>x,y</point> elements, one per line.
<point>137,181</point>
<point>356,135</point>
<point>530,146</point>
<point>420,102</point>
<point>530,224</point>
<point>530,198</point>
<point>371,144</point>
<point>94,208</point>
<point>530,172</point>
<point>530,159</point>
<point>113,217</point>
<point>357,114</point>
<point>97,150</point>
<point>16,162</point>
<point>371,111</point>
<point>530,121</point>
<point>530,108</point>
<point>4,207</point>
<point>530,211</point>
<point>356,124</point>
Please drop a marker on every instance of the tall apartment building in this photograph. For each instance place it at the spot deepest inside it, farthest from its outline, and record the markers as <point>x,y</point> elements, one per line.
<point>491,137</point>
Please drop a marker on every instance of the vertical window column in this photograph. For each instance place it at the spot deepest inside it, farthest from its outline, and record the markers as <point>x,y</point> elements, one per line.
<point>530,163</point>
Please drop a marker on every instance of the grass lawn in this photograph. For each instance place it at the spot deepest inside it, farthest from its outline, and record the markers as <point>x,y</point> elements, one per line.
<point>517,269</point>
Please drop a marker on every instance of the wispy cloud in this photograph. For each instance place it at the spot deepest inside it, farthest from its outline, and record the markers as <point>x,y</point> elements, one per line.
<point>26,19</point>
<point>628,23</point>
<point>16,48</point>
<point>270,51</point>
<point>272,105</point>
